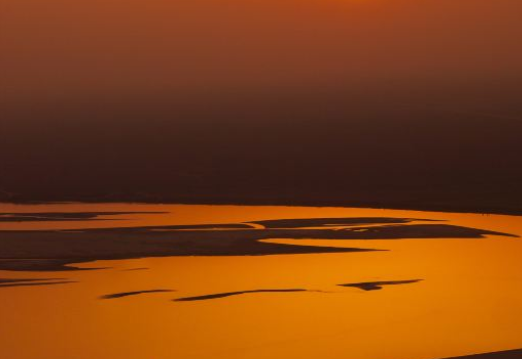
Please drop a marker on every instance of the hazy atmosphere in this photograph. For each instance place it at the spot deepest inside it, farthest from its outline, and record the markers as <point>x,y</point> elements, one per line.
<point>261,100</point>
<point>112,50</point>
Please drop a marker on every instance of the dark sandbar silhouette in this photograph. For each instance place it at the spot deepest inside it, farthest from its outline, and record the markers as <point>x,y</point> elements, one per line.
<point>230,294</point>
<point>8,282</point>
<point>62,216</point>
<point>54,250</point>
<point>135,269</point>
<point>320,222</point>
<point>512,354</point>
<point>138,292</point>
<point>369,286</point>
<point>203,227</point>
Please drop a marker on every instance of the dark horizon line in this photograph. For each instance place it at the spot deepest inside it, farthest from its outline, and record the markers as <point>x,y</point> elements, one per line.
<point>424,207</point>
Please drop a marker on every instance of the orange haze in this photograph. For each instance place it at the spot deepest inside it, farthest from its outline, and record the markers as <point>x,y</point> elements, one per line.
<point>62,48</point>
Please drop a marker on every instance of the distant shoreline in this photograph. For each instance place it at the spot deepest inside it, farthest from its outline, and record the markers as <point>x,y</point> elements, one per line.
<point>422,207</point>
<point>55,250</point>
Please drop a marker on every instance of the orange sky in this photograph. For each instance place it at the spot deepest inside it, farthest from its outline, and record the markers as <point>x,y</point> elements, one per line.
<point>76,48</point>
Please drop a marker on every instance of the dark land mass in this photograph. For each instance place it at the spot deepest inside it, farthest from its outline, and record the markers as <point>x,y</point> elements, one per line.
<point>135,269</point>
<point>43,264</point>
<point>138,292</point>
<point>444,146</point>
<point>369,286</point>
<point>203,227</point>
<point>54,250</point>
<point>512,354</point>
<point>62,216</point>
<point>32,282</point>
<point>316,222</point>
<point>230,294</point>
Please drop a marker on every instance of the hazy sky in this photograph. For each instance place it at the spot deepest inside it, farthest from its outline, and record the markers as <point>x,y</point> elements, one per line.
<point>63,48</point>
<point>257,99</point>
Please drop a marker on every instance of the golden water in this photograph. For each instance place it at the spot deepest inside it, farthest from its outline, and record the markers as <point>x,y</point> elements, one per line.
<point>469,299</point>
